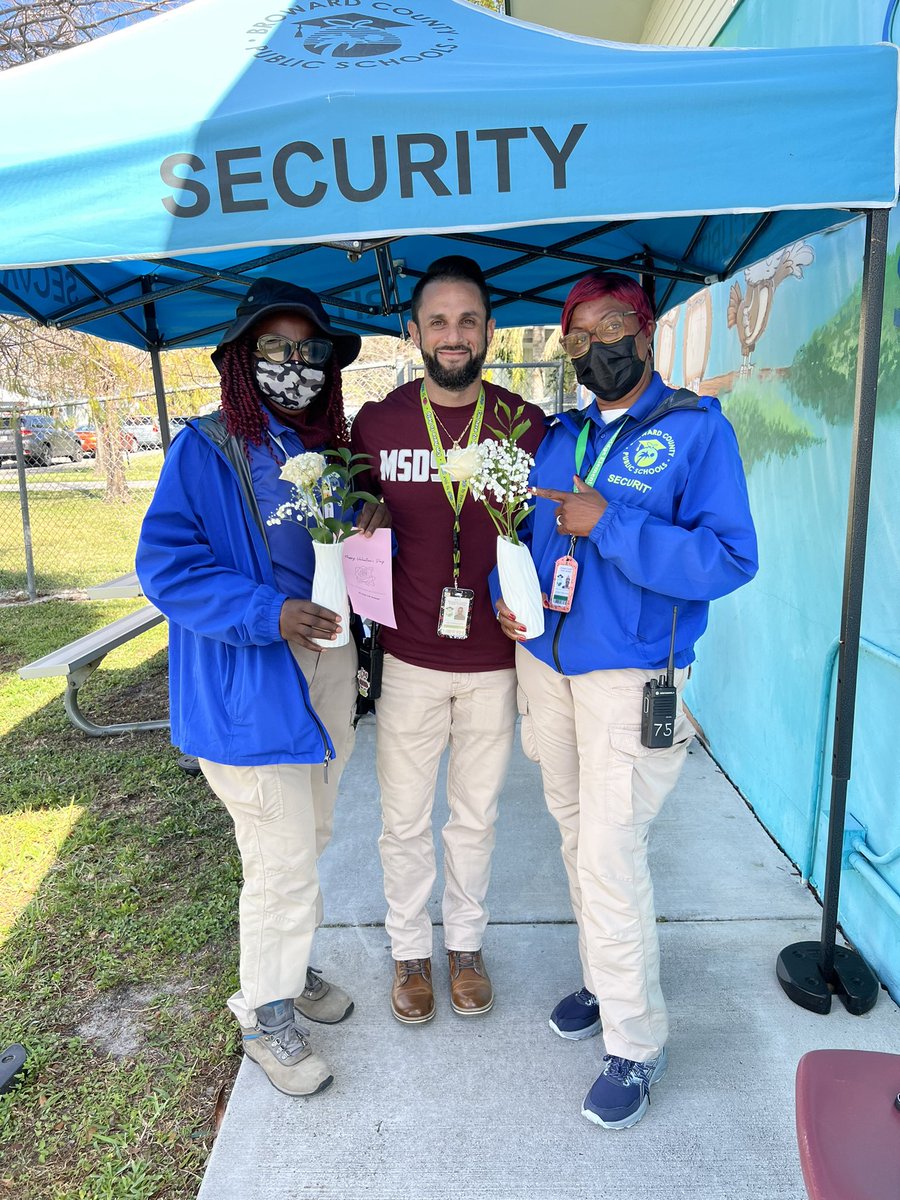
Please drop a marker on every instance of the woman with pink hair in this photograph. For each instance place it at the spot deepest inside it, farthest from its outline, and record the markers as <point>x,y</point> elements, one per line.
<point>642,509</point>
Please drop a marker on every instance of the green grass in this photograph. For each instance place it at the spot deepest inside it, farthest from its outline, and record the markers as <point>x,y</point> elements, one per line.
<point>78,539</point>
<point>144,466</point>
<point>118,906</point>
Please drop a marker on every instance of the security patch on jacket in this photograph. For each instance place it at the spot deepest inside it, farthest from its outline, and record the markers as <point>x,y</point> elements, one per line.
<point>650,454</point>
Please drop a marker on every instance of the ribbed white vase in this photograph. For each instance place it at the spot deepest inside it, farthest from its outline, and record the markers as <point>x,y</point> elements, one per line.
<point>330,588</point>
<point>519,586</point>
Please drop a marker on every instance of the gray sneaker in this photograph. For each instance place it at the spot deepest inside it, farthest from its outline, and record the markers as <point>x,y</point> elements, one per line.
<point>281,1048</point>
<point>322,1001</point>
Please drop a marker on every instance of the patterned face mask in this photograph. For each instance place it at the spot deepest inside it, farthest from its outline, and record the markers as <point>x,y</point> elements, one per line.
<point>293,385</point>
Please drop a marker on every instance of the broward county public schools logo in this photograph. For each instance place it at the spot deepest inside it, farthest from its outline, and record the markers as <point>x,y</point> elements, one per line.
<point>650,454</point>
<point>376,33</point>
<point>350,37</point>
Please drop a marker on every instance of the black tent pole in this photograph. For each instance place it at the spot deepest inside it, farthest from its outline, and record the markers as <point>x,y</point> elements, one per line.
<point>648,279</point>
<point>161,406</point>
<point>159,386</point>
<point>810,972</point>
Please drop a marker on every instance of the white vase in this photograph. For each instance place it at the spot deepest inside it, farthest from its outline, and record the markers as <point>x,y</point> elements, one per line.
<point>519,586</point>
<point>330,588</point>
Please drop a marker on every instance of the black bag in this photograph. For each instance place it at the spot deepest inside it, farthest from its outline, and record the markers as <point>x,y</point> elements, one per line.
<point>371,658</point>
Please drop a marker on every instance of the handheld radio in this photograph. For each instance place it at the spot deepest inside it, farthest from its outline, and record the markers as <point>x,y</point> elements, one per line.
<point>659,703</point>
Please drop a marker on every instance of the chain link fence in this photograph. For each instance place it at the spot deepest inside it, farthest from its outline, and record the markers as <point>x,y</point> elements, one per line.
<point>540,383</point>
<point>363,382</point>
<point>72,497</point>
<point>73,492</point>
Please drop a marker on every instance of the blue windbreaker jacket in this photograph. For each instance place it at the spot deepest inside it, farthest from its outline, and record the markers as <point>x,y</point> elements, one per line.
<point>677,530</point>
<point>236,693</point>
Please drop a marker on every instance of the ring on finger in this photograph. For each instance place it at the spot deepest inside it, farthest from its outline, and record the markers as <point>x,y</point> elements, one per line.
<point>558,519</point>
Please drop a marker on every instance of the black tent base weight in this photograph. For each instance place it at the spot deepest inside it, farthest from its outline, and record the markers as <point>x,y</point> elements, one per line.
<point>800,975</point>
<point>810,972</point>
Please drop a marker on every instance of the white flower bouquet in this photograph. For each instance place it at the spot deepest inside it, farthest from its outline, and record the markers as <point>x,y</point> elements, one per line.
<point>499,479</point>
<point>323,501</point>
<point>323,497</point>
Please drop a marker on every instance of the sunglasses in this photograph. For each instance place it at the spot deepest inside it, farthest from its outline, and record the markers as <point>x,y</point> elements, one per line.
<point>609,331</point>
<point>275,348</point>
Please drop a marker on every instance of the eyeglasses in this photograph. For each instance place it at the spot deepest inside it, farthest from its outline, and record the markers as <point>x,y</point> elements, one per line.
<point>609,331</point>
<point>275,348</point>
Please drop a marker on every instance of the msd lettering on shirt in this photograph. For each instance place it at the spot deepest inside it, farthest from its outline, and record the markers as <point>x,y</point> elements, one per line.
<point>392,431</point>
<point>409,466</point>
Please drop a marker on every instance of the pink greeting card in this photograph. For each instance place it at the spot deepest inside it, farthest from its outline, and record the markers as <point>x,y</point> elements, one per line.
<point>369,574</point>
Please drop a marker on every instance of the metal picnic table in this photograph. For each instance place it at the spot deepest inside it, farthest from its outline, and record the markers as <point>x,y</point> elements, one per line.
<point>78,660</point>
<point>123,587</point>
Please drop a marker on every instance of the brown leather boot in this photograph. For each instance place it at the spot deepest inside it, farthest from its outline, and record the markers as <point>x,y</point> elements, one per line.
<point>471,992</point>
<point>412,997</point>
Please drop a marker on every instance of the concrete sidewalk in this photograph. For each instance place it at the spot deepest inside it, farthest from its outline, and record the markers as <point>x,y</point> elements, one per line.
<point>489,1107</point>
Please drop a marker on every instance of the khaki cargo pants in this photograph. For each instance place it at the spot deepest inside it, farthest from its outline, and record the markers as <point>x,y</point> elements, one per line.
<point>604,789</point>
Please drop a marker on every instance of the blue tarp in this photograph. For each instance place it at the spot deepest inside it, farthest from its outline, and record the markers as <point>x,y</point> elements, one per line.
<point>174,159</point>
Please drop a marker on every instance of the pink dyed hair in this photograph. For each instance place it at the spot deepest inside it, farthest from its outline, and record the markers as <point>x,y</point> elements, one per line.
<point>599,284</point>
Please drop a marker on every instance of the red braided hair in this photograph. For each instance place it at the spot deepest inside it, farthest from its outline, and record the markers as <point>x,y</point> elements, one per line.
<point>242,407</point>
<point>245,413</point>
<point>337,418</point>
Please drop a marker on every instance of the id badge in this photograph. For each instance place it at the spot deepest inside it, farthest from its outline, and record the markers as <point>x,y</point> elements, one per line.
<point>456,612</point>
<point>563,588</point>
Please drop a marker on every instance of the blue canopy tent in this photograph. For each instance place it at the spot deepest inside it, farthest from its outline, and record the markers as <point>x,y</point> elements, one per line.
<point>149,176</point>
<point>351,142</point>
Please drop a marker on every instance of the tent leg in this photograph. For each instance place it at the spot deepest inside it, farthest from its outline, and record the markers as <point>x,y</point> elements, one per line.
<point>811,972</point>
<point>156,364</point>
<point>160,388</point>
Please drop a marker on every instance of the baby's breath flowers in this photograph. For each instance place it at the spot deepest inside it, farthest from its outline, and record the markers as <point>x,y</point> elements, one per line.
<point>500,479</point>
<point>501,484</point>
<point>323,497</point>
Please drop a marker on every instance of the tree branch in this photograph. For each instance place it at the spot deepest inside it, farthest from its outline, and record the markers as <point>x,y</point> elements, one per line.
<point>29,31</point>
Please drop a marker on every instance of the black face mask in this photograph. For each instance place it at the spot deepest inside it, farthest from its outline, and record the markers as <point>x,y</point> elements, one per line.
<point>610,372</point>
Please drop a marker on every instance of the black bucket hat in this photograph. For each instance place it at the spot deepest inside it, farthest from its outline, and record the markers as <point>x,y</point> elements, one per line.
<point>268,295</point>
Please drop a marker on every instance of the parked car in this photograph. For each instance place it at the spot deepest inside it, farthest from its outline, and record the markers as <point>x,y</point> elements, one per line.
<point>87,435</point>
<point>43,439</point>
<point>144,430</point>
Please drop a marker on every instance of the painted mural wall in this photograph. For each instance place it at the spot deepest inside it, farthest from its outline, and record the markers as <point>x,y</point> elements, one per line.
<point>777,344</point>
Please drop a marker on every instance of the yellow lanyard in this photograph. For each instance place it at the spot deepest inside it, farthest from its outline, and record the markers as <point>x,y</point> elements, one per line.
<point>457,499</point>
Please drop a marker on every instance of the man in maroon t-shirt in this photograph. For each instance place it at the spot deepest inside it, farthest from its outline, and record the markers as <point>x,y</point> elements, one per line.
<point>448,668</point>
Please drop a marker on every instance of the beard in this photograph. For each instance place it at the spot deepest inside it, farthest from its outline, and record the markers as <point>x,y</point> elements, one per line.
<point>454,379</point>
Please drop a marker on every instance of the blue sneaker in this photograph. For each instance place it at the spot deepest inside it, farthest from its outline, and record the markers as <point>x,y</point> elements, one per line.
<point>621,1094</point>
<point>576,1016</point>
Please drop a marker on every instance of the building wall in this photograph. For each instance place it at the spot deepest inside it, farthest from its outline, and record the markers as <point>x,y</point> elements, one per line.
<point>804,23</point>
<point>685,22</point>
<point>611,20</point>
<point>764,685</point>
<point>661,22</point>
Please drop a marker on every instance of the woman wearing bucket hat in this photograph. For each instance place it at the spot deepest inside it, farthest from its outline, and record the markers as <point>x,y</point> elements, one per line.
<point>266,712</point>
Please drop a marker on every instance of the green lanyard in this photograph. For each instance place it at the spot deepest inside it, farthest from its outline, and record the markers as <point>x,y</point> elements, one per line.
<point>457,499</point>
<point>581,450</point>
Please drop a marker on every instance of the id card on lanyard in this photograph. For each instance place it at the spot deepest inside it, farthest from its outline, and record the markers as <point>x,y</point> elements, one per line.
<point>455,613</point>
<point>565,569</point>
